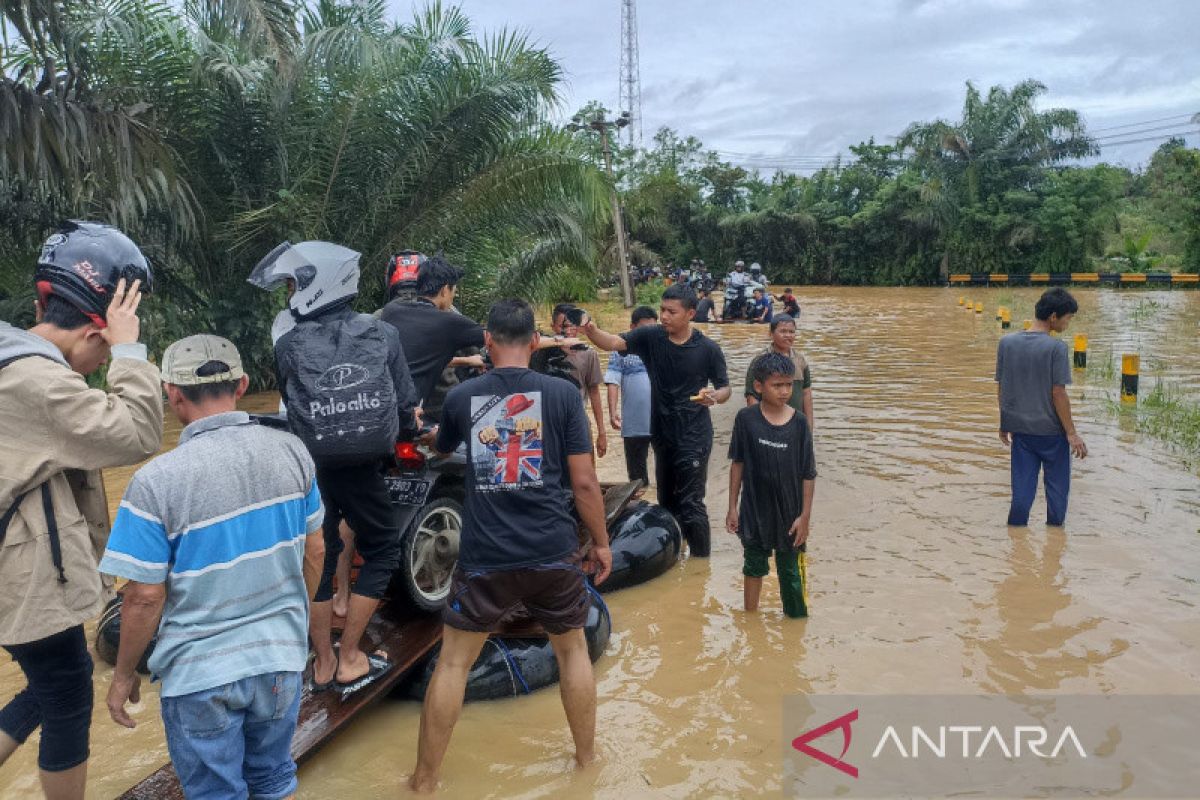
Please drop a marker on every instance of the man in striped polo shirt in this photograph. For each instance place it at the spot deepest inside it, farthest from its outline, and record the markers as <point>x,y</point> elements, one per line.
<point>211,537</point>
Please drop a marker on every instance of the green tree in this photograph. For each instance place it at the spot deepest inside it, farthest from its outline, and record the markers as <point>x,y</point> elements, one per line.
<point>982,171</point>
<point>255,121</point>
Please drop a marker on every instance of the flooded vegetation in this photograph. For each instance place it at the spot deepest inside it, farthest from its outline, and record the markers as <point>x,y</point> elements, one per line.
<point>917,586</point>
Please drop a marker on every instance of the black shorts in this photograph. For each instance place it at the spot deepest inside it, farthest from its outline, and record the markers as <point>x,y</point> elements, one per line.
<point>555,595</point>
<point>359,495</point>
<point>58,698</point>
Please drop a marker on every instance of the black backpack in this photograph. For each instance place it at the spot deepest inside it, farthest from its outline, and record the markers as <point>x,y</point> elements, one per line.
<point>341,398</point>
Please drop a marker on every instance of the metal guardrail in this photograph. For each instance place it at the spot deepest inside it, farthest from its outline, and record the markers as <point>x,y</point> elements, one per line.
<point>1063,278</point>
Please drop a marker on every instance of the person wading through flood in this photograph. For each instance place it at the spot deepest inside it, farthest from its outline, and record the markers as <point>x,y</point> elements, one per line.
<point>629,401</point>
<point>682,362</point>
<point>56,434</point>
<point>585,370</point>
<point>528,444</point>
<point>783,340</point>
<point>704,306</point>
<point>772,479</point>
<point>1033,371</point>
<point>349,395</point>
<point>212,537</point>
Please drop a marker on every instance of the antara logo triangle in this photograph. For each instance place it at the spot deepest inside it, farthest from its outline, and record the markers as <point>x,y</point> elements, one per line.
<point>801,743</point>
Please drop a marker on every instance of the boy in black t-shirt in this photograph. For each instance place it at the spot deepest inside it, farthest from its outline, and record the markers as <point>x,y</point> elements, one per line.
<point>774,474</point>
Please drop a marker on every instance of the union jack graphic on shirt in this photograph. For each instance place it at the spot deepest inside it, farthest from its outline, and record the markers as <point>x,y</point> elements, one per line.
<point>519,457</point>
<point>506,441</point>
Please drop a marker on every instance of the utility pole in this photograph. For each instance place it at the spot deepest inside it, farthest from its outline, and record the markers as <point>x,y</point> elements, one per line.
<point>599,123</point>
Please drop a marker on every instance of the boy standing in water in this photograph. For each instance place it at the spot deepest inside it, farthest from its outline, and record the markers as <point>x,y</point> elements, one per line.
<point>772,451</point>
<point>1032,374</point>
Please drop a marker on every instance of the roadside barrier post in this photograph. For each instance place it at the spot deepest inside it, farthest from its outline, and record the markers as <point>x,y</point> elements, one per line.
<point>1081,342</point>
<point>1130,364</point>
<point>979,308</point>
<point>961,300</point>
<point>1005,318</point>
<point>1027,324</point>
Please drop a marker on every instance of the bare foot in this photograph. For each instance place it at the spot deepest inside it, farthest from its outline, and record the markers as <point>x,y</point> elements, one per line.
<point>583,761</point>
<point>419,784</point>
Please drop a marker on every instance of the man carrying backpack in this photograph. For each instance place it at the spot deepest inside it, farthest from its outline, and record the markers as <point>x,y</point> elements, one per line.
<point>56,434</point>
<point>345,381</point>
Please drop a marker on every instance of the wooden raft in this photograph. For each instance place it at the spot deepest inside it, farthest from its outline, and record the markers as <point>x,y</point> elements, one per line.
<point>406,636</point>
<point>406,641</point>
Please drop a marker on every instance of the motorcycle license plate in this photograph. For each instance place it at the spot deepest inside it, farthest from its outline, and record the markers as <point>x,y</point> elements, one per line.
<point>407,491</point>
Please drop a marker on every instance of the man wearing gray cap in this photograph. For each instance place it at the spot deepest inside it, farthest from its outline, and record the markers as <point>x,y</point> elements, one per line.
<point>211,537</point>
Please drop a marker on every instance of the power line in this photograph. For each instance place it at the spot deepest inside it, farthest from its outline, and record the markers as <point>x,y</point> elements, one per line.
<point>1144,122</point>
<point>1137,133</point>
<point>1152,138</point>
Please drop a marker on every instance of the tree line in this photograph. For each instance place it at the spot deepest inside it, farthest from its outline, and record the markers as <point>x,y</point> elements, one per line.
<point>996,191</point>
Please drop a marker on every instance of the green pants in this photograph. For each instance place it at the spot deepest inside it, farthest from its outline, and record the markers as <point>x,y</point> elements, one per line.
<point>792,568</point>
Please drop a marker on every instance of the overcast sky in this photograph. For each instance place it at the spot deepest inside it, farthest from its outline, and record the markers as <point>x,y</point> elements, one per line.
<point>785,80</point>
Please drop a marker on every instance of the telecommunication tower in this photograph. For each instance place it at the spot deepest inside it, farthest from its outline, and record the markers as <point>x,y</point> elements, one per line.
<point>631,79</point>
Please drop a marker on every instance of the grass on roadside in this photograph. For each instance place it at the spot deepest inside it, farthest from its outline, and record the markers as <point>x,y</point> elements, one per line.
<point>1166,414</point>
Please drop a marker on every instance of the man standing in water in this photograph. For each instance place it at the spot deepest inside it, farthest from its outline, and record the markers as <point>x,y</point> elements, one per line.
<point>1032,374</point>
<point>56,435</point>
<point>530,450</point>
<point>682,362</point>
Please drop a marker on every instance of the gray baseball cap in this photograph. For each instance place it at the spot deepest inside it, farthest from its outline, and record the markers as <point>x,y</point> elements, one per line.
<point>182,361</point>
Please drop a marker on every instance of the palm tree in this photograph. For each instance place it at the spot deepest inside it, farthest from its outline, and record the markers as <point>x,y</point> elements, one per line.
<point>996,151</point>
<point>230,126</point>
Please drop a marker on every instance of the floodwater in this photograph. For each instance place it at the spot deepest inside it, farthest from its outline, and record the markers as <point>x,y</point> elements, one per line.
<point>917,586</point>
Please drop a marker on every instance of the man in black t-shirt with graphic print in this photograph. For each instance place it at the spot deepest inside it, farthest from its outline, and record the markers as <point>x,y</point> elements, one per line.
<point>529,452</point>
<point>682,362</point>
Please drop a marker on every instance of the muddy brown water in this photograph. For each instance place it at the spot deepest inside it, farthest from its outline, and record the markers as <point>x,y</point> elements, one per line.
<point>917,586</point>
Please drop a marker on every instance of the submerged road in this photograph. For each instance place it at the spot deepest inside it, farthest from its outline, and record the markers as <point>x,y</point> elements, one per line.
<point>917,586</point>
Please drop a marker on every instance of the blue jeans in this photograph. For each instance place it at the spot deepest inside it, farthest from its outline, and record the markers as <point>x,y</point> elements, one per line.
<point>1030,454</point>
<point>234,741</point>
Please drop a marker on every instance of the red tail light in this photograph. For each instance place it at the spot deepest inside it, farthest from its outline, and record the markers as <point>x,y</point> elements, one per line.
<point>409,456</point>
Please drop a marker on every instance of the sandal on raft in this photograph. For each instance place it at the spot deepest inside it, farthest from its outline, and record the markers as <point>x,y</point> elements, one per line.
<point>380,666</point>
<point>329,684</point>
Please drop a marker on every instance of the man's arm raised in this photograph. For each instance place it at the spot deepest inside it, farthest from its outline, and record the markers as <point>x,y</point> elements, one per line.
<point>602,339</point>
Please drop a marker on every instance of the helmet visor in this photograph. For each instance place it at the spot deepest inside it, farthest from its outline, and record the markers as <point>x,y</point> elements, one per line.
<point>275,268</point>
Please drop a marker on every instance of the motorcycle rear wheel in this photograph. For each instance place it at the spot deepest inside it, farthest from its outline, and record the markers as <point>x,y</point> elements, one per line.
<point>429,553</point>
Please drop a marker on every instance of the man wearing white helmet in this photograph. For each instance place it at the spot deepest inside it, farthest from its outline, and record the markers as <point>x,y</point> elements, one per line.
<point>349,394</point>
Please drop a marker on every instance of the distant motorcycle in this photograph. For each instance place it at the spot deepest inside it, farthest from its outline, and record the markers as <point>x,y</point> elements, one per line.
<point>739,301</point>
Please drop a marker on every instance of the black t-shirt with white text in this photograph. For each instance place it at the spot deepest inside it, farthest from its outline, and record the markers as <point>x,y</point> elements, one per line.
<point>677,373</point>
<point>520,426</point>
<point>776,460</point>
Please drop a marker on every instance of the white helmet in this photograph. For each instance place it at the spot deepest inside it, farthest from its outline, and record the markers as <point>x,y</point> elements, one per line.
<point>737,264</point>
<point>325,274</point>
<point>756,267</point>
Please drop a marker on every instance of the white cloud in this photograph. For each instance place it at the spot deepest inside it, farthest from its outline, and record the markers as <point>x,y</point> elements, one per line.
<point>787,78</point>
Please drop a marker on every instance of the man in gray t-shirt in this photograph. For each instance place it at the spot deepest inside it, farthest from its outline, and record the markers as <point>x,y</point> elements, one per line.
<point>1032,374</point>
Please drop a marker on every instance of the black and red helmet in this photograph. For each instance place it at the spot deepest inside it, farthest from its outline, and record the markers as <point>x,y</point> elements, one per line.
<point>82,263</point>
<point>404,267</point>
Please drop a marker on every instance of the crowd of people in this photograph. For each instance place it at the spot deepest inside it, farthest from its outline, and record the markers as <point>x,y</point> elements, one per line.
<point>234,545</point>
